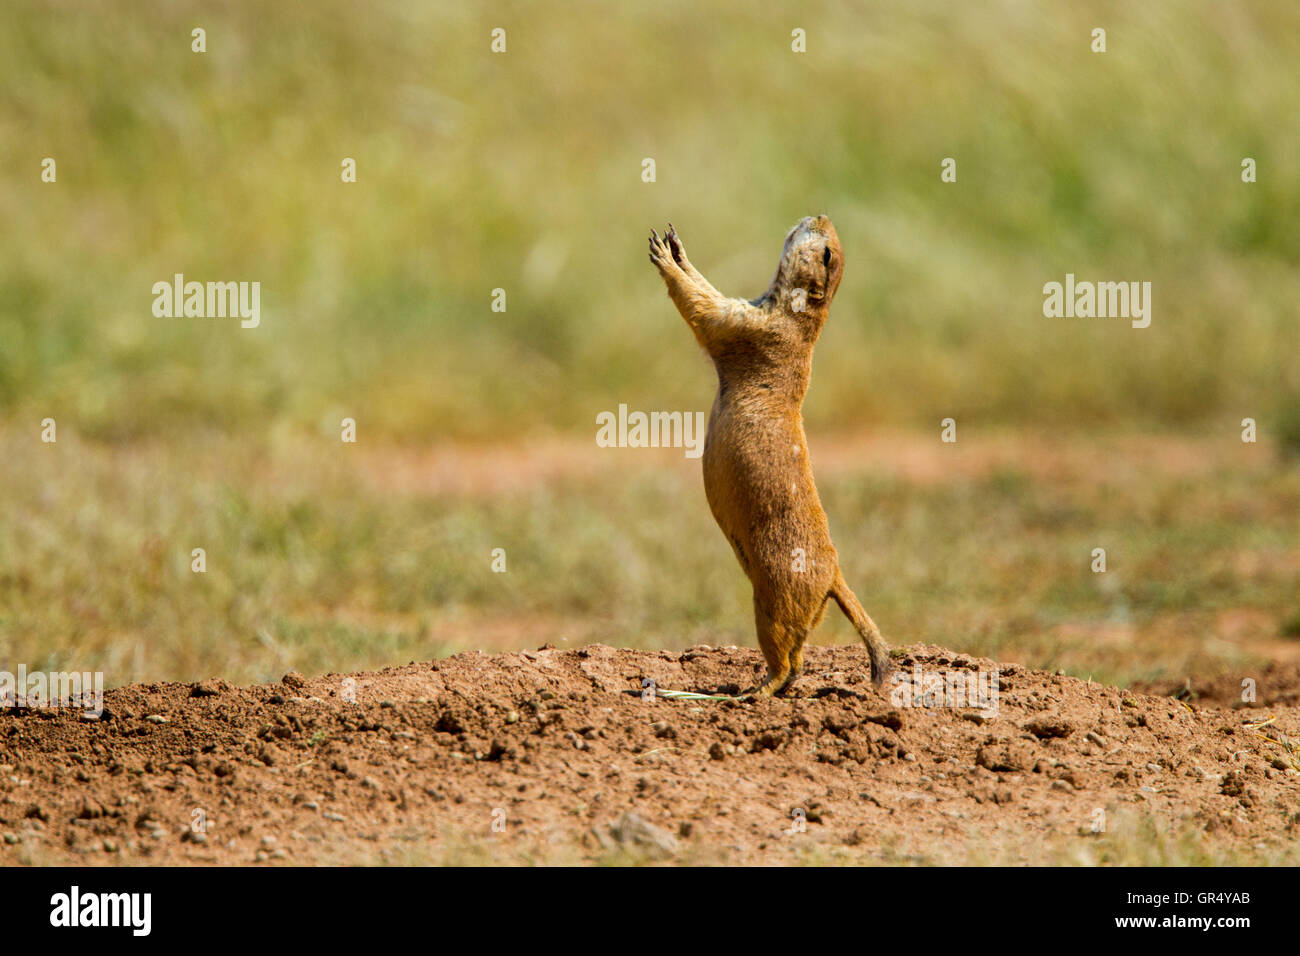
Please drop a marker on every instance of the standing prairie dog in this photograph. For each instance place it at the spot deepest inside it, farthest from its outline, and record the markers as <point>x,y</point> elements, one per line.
<point>757,476</point>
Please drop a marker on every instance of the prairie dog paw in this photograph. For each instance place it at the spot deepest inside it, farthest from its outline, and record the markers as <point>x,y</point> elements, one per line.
<point>659,253</point>
<point>675,245</point>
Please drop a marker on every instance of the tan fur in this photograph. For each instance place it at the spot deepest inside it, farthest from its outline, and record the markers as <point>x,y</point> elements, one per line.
<point>757,476</point>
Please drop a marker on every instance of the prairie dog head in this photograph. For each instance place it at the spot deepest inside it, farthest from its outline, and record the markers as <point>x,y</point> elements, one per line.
<point>811,266</point>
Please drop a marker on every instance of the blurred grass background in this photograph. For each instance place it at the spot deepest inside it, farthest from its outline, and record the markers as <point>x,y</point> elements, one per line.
<point>522,171</point>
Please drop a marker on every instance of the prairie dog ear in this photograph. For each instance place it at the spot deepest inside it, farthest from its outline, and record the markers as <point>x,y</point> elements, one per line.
<point>833,257</point>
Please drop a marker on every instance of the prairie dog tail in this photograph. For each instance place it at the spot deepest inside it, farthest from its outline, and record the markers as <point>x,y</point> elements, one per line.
<point>877,649</point>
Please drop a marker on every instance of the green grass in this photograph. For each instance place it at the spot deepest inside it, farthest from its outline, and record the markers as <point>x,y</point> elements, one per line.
<point>522,171</point>
<point>316,561</point>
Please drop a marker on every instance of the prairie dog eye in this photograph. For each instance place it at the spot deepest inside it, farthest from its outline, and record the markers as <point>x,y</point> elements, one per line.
<point>826,257</point>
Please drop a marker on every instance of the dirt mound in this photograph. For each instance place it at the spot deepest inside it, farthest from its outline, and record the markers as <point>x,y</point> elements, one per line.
<point>574,755</point>
<point>1276,684</point>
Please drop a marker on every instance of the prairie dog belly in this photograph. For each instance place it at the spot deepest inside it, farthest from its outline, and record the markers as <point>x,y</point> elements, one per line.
<point>760,489</point>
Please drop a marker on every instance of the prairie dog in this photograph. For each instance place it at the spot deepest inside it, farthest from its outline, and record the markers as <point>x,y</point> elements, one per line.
<point>757,476</point>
